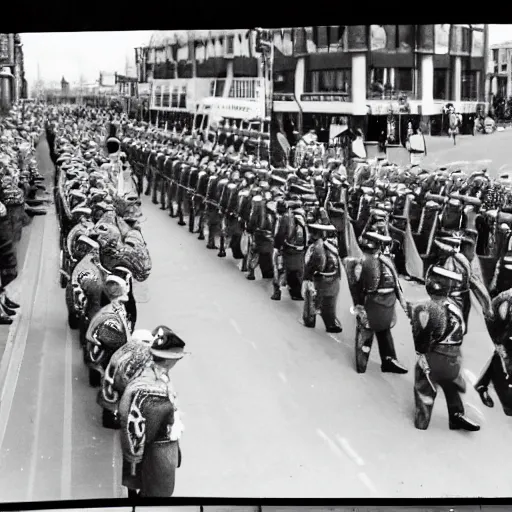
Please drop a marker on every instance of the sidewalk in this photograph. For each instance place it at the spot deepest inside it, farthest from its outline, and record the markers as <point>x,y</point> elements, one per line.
<point>16,288</point>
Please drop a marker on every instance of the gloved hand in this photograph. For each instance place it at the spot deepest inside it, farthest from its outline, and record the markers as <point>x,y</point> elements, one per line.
<point>177,427</point>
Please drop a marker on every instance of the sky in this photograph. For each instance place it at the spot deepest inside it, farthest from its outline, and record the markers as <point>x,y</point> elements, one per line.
<point>87,53</point>
<point>75,54</point>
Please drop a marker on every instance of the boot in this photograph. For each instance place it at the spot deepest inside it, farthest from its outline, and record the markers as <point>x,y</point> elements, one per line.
<point>335,328</point>
<point>484,396</point>
<point>459,422</point>
<point>133,493</point>
<point>4,319</point>
<point>390,365</point>
<point>10,303</point>
<point>7,311</point>
<point>277,293</point>
<point>250,275</point>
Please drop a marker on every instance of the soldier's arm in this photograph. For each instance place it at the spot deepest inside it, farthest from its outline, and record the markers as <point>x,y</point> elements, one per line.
<point>420,315</point>
<point>355,277</point>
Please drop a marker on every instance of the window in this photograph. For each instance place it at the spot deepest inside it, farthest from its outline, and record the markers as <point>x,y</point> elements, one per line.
<point>284,82</point>
<point>158,96</point>
<point>230,45</point>
<point>403,79</point>
<point>166,97</point>
<point>440,84</point>
<point>469,86</point>
<point>495,54</point>
<point>183,97</point>
<point>331,81</point>
<point>174,103</point>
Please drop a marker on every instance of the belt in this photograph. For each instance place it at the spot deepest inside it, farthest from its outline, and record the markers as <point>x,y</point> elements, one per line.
<point>381,291</point>
<point>297,247</point>
<point>326,274</point>
<point>449,341</point>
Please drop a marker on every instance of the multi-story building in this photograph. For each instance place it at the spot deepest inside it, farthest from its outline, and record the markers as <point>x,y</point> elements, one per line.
<point>500,70</point>
<point>216,70</point>
<point>13,85</point>
<point>332,76</point>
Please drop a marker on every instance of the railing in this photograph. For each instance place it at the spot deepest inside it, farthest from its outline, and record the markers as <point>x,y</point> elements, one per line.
<point>389,95</point>
<point>241,88</point>
<point>325,96</point>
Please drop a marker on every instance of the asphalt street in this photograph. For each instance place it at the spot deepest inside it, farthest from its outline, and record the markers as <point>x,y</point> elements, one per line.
<point>271,409</point>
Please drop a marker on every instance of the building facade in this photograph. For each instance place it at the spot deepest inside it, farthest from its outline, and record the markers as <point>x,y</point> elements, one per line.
<point>332,75</point>
<point>500,70</point>
<point>13,85</point>
<point>184,68</point>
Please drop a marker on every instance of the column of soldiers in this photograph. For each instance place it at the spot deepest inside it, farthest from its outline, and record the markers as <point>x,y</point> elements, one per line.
<point>20,183</point>
<point>308,229</point>
<point>102,252</point>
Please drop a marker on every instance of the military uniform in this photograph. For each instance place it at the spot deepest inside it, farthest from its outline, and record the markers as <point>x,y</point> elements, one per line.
<point>290,241</point>
<point>375,288</point>
<point>151,454</point>
<point>322,274</point>
<point>438,330</point>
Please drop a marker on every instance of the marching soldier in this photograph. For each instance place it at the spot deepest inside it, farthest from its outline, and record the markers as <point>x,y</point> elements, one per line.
<point>289,247</point>
<point>375,289</point>
<point>322,274</point>
<point>438,330</point>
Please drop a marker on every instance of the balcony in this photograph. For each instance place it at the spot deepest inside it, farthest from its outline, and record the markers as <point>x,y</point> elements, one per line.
<point>390,95</point>
<point>326,96</point>
<point>241,88</point>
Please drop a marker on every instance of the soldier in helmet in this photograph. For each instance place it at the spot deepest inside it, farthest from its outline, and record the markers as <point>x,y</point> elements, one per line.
<point>375,289</point>
<point>438,330</point>
<point>322,274</point>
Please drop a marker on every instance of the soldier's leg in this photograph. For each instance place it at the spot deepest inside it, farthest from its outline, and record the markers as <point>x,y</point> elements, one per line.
<point>252,262</point>
<point>155,186</point>
<point>482,384</point>
<point>294,282</point>
<point>328,310</point>
<point>501,382</point>
<point>163,194</point>
<point>148,174</point>
<point>213,228</point>
<point>425,392</point>
<point>387,353</point>
<point>266,266</point>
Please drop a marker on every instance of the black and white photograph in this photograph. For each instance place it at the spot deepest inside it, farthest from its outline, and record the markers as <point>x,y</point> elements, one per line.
<point>256,263</point>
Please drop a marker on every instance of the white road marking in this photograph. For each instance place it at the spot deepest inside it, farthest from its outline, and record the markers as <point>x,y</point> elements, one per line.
<point>40,384</point>
<point>67,438</point>
<point>282,377</point>
<point>235,326</point>
<point>470,376</point>
<point>334,338</point>
<point>332,445</point>
<point>116,455</point>
<point>367,482</point>
<point>349,450</point>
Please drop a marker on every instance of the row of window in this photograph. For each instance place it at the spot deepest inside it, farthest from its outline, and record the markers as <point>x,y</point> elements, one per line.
<point>382,83</point>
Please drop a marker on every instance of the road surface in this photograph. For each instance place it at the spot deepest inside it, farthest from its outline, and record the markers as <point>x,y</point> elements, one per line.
<point>271,409</point>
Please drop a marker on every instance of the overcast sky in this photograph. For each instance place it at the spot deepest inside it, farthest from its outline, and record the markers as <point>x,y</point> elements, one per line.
<point>87,53</point>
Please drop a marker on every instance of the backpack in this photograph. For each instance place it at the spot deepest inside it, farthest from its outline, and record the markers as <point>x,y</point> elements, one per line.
<point>297,231</point>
